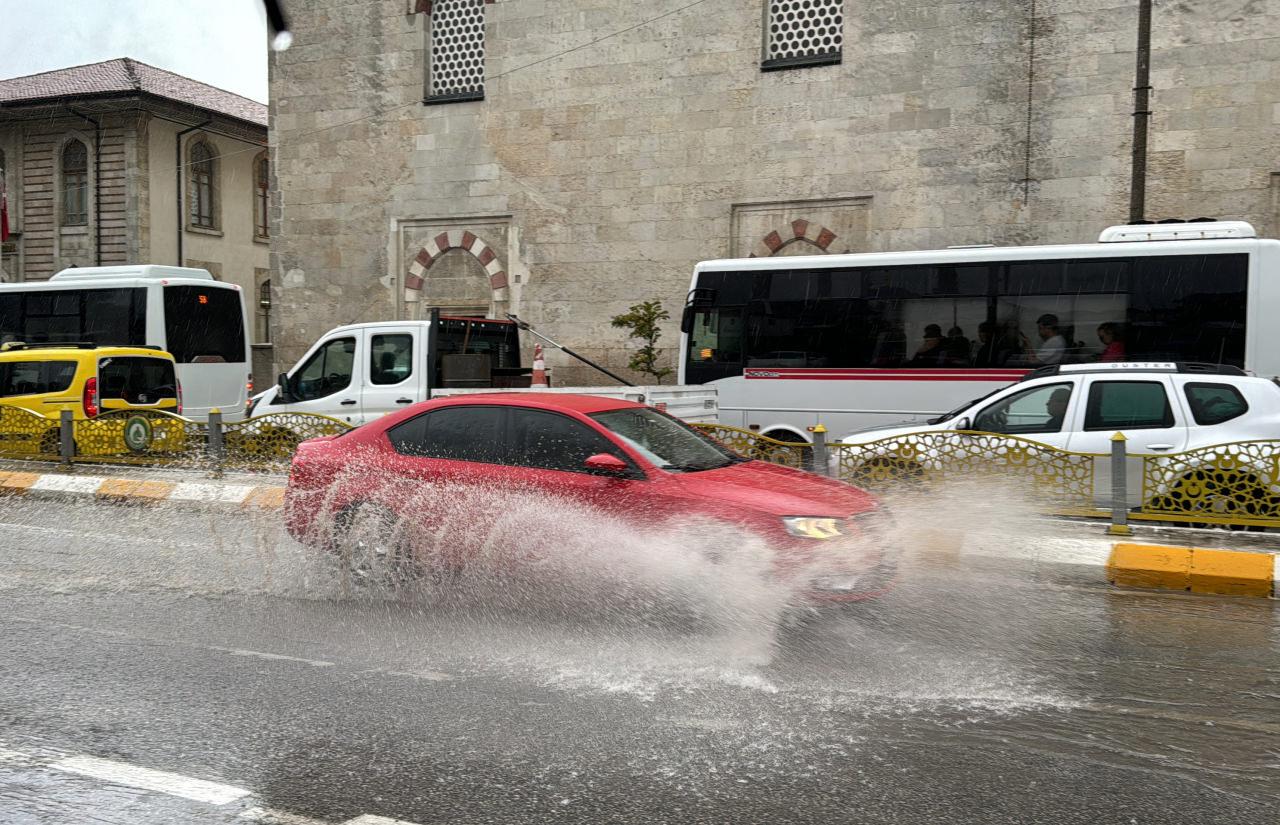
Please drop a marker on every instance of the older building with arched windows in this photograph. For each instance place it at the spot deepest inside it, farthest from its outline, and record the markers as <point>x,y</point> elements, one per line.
<point>120,162</point>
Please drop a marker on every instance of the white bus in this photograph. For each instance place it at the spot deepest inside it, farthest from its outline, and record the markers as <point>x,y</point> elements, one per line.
<point>184,311</point>
<point>857,341</point>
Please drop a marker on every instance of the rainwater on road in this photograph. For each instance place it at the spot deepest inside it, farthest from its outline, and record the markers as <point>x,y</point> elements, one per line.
<point>166,666</point>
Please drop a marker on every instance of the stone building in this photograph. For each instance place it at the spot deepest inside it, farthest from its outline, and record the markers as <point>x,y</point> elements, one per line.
<point>566,159</point>
<point>96,160</point>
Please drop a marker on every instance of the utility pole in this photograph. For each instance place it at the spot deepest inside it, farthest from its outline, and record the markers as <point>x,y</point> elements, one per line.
<point>1141,115</point>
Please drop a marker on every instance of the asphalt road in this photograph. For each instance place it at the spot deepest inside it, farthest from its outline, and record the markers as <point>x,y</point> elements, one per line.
<point>168,667</point>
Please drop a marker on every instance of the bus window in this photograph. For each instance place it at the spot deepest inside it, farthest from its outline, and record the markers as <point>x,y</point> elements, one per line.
<point>716,337</point>
<point>204,324</point>
<point>96,316</point>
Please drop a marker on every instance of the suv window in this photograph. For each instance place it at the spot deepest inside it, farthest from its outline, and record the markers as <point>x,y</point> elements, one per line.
<point>1036,410</point>
<point>327,371</point>
<point>550,441</point>
<point>34,377</point>
<point>1215,403</point>
<point>1128,405</point>
<point>136,380</point>
<point>458,433</point>
<point>390,358</point>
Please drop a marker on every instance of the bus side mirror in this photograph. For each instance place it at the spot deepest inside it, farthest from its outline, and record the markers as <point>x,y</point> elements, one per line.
<point>282,388</point>
<point>686,319</point>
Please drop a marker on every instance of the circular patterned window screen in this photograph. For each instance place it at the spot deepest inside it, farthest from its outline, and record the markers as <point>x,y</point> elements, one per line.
<point>457,48</point>
<point>804,28</point>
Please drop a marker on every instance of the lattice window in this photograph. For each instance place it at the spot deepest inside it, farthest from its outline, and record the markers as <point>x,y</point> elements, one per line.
<point>457,51</point>
<point>75,184</point>
<point>803,33</point>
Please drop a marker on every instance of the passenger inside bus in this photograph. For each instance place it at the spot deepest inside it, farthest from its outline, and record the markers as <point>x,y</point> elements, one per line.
<point>1112,338</point>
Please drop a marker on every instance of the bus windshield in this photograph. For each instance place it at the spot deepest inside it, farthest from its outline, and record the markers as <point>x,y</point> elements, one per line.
<point>204,325</point>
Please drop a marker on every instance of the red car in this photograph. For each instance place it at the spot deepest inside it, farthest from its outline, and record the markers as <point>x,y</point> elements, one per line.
<point>633,462</point>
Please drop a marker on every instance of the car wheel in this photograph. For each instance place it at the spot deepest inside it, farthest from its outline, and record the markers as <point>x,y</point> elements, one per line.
<point>372,546</point>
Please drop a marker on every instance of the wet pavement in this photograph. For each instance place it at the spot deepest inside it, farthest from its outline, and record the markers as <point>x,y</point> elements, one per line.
<point>213,649</point>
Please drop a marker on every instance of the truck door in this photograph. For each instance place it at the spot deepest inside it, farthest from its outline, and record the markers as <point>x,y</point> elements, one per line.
<point>327,381</point>
<point>393,374</point>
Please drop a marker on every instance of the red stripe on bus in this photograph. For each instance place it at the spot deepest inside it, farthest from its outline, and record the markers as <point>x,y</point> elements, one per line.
<point>881,375</point>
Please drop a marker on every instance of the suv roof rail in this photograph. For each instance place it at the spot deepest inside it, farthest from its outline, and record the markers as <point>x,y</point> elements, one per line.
<point>1185,367</point>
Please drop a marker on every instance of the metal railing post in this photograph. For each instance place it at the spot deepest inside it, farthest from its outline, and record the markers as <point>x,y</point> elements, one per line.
<point>216,443</point>
<point>1119,487</point>
<point>820,450</point>
<point>66,438</point>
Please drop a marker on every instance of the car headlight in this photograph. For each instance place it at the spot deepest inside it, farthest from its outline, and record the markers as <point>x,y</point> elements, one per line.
<point>812,527</point>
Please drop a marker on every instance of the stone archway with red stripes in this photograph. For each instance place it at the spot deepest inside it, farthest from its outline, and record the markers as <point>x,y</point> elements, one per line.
<point>444,242</point>
<point>799,230</point>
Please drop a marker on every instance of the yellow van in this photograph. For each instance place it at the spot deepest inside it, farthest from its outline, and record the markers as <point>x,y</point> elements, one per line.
<point>93,382</point>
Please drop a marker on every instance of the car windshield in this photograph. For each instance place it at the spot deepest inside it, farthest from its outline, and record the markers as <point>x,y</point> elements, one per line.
<point>966,405</point>
<point>666,441</point>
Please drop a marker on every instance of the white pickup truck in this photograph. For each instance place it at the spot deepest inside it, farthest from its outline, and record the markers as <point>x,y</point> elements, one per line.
<point>359,372</point>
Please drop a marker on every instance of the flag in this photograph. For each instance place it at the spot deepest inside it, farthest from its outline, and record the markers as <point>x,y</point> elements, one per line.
<point>4,209</point>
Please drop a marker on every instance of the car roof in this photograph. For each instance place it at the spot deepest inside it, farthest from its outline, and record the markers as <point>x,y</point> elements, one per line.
<point>70,352</point>
<point>585,404</point>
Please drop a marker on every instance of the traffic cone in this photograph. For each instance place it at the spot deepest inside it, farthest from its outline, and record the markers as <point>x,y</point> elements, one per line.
<point>539,368</point>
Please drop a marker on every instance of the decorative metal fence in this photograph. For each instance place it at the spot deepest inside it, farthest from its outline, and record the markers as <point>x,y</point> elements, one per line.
<point>158,438</point>
<point>1229,485</point>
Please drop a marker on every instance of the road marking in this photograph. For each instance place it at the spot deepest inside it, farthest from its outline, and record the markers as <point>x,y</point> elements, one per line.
<point>274,656</point>
<point>68,484</point>
<point>370,819</point>
<point>220,493</point>
<point>270,816</point>
<point>173,784</point>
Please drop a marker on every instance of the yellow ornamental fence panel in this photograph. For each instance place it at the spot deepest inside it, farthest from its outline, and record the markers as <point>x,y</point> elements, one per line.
<point>1221,485</point>
<point>139,437</point>
<point>1055,477</point>
<point>271,439</point>
<point>27,434</point>
<point>762,448</point>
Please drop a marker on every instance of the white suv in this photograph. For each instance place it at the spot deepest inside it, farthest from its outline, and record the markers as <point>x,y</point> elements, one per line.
<point>1160,408</point>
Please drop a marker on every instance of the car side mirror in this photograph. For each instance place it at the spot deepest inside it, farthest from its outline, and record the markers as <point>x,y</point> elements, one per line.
<point>607,465</point>
<point>282,386</point>
<point>964,424</point>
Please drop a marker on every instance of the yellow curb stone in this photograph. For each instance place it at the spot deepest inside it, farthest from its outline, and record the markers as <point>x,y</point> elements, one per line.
<point>265,498</point>
<point>1231,572</point>
<point>126,489</point>
<point>17,483</point>
<point>1150,566</point>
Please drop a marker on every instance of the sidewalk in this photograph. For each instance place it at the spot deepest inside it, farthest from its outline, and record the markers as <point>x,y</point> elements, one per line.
<point>1161,558</point>
<point>141,485</point>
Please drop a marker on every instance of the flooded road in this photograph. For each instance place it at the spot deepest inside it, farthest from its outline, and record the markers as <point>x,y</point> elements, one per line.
<point>170,666</point>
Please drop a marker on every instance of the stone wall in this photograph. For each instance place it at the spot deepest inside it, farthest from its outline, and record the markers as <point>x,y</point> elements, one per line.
<point>610,153</point>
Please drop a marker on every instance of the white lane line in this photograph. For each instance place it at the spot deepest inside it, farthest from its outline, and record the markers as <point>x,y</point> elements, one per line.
<point>270,816</point>
<point>68,484</point>
<point>274,656</point>
<point>370,819</point>
<point>173,784</point>
<point>220,493</point>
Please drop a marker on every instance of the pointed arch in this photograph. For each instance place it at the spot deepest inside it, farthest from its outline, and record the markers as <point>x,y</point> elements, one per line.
<point>453,239</point>
<point>799,230</point>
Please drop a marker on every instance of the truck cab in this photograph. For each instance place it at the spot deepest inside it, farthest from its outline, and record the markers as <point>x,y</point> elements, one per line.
<point>360,372</point>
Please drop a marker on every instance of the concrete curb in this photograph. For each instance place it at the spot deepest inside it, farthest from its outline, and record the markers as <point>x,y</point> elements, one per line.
<point>140,491</point>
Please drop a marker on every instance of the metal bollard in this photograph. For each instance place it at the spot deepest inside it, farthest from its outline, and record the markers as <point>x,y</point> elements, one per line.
<point>1119,487</point>
<point>66,438</point>
<point>820,450</point>
<point>216,445</point>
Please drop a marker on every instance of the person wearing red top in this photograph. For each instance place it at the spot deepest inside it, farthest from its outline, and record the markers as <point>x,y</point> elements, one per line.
<point>1112,338</point>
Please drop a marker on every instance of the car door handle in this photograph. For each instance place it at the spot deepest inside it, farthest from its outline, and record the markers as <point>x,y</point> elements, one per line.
<point>1160,447</point>
<point>347,402</point>
<point>404,400</point>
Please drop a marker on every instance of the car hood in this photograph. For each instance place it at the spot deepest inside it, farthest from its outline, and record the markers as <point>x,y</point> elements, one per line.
<point>777,490</point>
<point>890,431</point>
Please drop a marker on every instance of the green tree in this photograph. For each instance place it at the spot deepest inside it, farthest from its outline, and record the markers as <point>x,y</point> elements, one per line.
<point>643,321</point>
